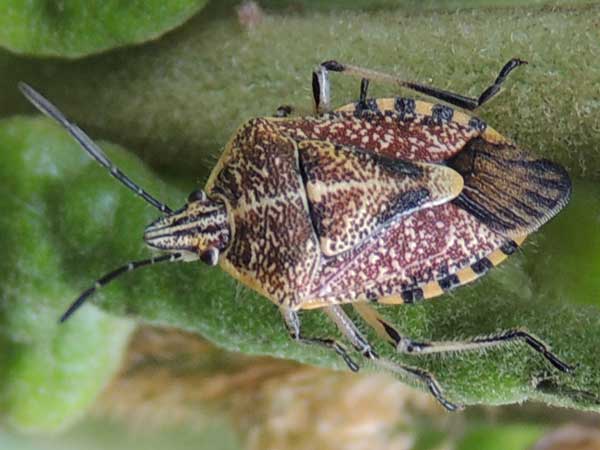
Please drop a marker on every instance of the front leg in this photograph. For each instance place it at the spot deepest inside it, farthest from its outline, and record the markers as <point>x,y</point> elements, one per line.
<point>292,322</point>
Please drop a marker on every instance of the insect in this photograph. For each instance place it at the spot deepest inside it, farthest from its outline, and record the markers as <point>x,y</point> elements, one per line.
<point>387,200</point>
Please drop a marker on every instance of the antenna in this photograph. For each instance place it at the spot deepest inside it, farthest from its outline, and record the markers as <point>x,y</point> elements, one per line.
<point>88,145</point>
<point>105,279</point>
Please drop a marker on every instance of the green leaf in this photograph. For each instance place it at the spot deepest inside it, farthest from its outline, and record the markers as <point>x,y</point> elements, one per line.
<point>501,437</point>
<point>49,374</point>
<point>570,254</point>
<point>73,28</point>
<point>412,6</point>
<point>101,434</point>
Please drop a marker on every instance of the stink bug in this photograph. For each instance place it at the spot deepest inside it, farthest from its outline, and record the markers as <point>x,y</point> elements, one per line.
<point>387,200</point>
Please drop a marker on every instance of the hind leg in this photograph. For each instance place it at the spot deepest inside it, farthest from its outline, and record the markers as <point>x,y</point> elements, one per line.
<point>351,332</point>
<point>506,337</point>
<point>322,90</point>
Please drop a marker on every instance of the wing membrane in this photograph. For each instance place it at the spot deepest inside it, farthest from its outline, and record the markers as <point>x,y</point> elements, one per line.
<point>508,189</point>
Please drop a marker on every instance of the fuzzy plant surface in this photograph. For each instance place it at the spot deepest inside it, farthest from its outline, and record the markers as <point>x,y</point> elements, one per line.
<point>178,100</point>
<point>50,374</point>
<point>74,28</point>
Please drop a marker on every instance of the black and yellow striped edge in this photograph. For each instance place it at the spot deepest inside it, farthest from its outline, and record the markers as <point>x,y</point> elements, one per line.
<point>427,109</point>
<point>433,289</point>
<point>461,277</point>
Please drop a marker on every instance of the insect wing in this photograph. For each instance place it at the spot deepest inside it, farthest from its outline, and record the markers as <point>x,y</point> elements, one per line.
<point>398,128</point>
<point>508,189</point>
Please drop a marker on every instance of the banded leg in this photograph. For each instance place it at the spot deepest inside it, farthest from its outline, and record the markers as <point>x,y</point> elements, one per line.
<point>292,322</point>
<point>351,332</point>
<point>407,345</point>
<point>322,90</point>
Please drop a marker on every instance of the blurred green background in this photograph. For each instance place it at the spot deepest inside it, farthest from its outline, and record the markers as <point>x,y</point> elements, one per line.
<point>163,86</point>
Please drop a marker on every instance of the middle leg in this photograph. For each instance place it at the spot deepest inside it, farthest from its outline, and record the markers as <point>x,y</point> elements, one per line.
<point>351,332</point>
<point>292,323</point>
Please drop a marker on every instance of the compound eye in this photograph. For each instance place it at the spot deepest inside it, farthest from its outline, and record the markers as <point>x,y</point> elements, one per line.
<point>197,195</point>
<point>210,256</point>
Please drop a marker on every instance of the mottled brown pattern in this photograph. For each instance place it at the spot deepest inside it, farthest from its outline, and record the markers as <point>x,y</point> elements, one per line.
<point>273,244</point>
<point>352,166</point>
<point>413,138</point>
<point>428,245</point>
<point>353,193</point>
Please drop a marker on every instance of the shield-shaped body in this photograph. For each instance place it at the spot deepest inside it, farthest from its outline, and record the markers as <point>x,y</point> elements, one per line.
<point>391,201</point>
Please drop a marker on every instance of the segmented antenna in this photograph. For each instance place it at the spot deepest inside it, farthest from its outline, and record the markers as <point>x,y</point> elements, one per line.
<point>105,279</point>
<point>88,145</point>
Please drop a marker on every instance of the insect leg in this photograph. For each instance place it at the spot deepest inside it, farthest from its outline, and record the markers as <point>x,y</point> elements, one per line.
<point>320,75</point>
<point>321,89</point>
<point>364,87</point>
<point>351,332</point>
<point>479,343</point>
<point>407,345</point>
<point>284,111</point>
<point>292,322</point>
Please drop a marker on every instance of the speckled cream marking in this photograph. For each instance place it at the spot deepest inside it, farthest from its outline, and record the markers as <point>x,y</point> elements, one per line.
<point>423,254</point>
<point>274,249</point>
<point>414,138</point>
<point>353,193</point>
